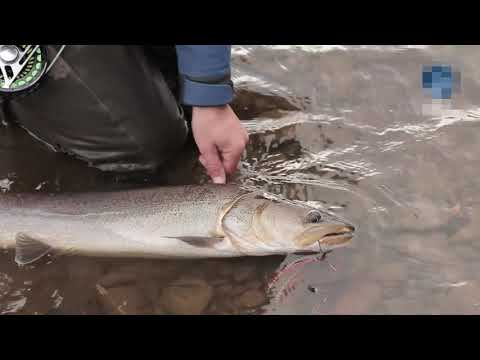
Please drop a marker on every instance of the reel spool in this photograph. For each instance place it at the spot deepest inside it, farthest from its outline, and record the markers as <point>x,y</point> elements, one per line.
<point>22,67</point>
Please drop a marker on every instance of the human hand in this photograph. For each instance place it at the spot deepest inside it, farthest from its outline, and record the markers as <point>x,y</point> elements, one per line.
<point>221,140</point>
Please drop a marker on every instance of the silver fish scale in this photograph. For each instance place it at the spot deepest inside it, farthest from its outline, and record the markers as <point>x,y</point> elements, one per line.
<point>137,220</point>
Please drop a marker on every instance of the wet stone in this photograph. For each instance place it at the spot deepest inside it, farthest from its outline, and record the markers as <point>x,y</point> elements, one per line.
<point>124,300</point>
<point>224,289</point>
<point>243,273</point>
<point>150,289</point>
<point>239,289</point>
<point>214,268</point>
<point>118,278</point>
<point>251,299</point>
<point>226,306</point>
<point>164,271</point>
<point>255,284</point>
<point>186,296</point>
<point>225,269</point>
<point>130,274</point>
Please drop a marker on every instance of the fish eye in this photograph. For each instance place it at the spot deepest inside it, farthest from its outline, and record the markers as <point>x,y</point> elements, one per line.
<point>314,217</point>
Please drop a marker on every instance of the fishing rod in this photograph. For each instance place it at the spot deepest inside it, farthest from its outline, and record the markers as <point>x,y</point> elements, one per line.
<point>22,67</point>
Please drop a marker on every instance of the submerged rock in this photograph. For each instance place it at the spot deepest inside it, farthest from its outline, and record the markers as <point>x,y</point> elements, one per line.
<point>225,269</point>
<point>226,306</point>
<point>239,289</point>
<point>255,284</point>
<point>251,298</point>
<point>186,296</point>
<point>124,300</point>
<point>223,289</point>
<point>118,278</point>
<point>243,273</point>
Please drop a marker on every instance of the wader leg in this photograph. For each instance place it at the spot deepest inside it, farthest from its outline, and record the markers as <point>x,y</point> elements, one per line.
<point>112,106</point>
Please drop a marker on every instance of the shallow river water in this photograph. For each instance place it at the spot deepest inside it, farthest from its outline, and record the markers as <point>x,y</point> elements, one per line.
<point>345,128</point>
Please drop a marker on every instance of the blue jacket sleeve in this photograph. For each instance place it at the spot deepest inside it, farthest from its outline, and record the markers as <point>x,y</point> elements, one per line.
<point>205,74</point>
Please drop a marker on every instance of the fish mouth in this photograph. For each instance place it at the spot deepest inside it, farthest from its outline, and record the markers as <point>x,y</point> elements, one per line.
<point>326,236</point>
<point>348,232</point>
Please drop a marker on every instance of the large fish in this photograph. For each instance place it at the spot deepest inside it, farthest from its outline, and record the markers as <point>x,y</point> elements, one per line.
<point>198,221</point>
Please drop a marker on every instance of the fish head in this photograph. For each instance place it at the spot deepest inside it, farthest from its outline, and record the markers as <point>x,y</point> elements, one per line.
<point>259,224</point>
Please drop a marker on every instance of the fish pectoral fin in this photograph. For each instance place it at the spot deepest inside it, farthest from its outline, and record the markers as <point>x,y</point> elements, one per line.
<point>199,241</point>
<point>29,249</point>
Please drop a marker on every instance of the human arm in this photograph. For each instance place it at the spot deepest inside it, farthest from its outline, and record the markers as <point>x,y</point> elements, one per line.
<point>206,86</point>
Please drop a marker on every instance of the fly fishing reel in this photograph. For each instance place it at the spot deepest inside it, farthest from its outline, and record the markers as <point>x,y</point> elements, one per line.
<point>22,67</point>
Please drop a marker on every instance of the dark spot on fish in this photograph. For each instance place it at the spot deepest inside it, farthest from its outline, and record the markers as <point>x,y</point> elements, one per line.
<point>312,289</point>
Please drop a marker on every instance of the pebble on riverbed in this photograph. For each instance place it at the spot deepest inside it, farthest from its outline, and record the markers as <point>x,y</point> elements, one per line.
<point>186,296</point>
<point>117,278</point>
<point>223,289</point>
<point>123,300</point>
<point>244,273</point>
<point>251,298</point>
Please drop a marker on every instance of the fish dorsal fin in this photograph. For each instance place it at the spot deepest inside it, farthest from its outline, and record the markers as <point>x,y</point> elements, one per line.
<point>29,249</point>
